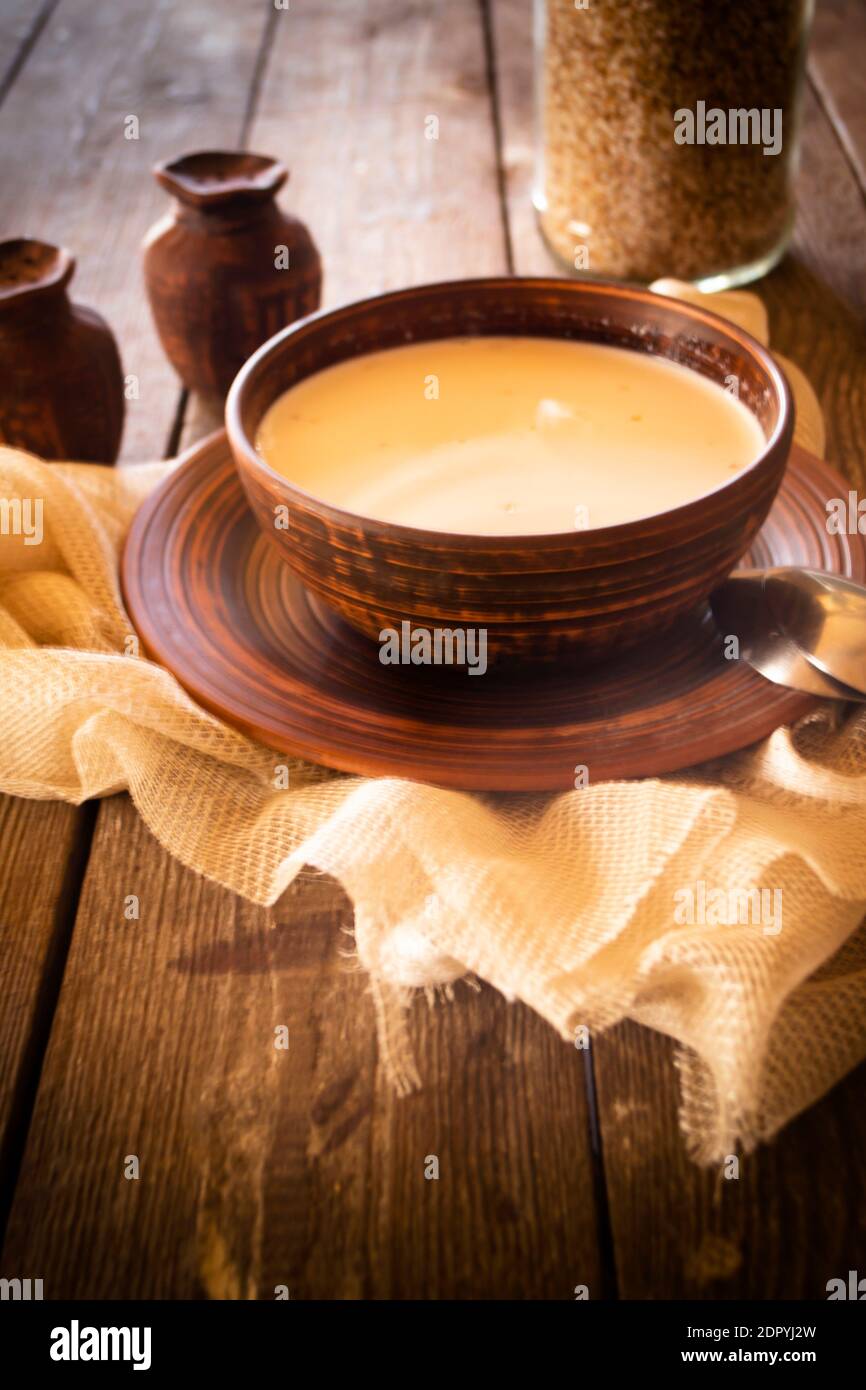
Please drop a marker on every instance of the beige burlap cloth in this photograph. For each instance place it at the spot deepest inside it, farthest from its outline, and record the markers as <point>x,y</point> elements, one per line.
<point>572,903</point>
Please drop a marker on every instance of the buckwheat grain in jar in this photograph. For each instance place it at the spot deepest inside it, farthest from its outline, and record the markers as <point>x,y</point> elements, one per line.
<point>667,134</point>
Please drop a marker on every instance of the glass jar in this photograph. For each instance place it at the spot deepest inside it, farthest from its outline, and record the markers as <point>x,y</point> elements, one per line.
<point>667,135</point>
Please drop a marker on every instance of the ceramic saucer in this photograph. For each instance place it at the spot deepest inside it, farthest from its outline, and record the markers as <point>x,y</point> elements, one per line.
<point>214,603</point>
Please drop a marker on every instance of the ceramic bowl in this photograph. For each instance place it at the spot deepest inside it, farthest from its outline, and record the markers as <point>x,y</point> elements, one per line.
<point>539,597</point>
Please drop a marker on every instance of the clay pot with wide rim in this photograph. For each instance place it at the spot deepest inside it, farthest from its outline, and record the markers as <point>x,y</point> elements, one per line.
<point>227,267</point>
<point>61,382</point>
<point>539,597</point>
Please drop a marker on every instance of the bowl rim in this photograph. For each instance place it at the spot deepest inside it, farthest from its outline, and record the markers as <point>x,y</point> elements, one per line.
<point>247,457</point>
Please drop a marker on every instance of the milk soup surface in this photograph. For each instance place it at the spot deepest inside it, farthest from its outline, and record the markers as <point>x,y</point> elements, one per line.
<point>508,436</point>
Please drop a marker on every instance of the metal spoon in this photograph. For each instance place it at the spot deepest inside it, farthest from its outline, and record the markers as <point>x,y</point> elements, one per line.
<point>798,627</point>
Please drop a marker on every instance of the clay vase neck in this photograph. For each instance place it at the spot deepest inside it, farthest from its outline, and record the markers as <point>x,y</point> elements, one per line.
<point>222,184</point>
<point>33,280</point>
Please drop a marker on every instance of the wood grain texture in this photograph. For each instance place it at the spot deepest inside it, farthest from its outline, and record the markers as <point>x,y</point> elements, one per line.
<point>215,604</point>
<point>21,23</point>
<point>345,102</point>
<point>262,1167</point>
<point>72,177</point>
<point>255,1172</point>
<point>17,19</point>
<point>836,69</point>
<point>42,853</point>
<point>817,297</point>
<point>795,1218</point>
<point>511,26</point>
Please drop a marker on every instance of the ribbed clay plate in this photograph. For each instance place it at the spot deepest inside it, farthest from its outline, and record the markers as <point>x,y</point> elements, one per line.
<point>214,602</point>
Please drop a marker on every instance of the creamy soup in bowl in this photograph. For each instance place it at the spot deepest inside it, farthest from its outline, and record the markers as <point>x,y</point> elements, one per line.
<point>568,465</point>
<point>500,436</point>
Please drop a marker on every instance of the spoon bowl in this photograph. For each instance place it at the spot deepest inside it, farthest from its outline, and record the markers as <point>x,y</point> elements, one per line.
<point>798,627</point>
<point>825,616</point>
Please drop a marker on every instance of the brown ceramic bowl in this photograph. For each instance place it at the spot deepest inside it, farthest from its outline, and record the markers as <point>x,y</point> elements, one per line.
<point>538,596</point>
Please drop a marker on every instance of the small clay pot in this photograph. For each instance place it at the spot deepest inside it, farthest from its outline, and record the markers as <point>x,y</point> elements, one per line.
<point>226,268</point>
<point>61,382</point>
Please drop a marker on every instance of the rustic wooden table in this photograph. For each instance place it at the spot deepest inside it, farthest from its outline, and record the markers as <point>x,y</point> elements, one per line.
<point>147,1038</point>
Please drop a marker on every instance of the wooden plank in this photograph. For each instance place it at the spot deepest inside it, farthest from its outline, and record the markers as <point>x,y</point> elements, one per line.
<point>794,1219</point>
<point>261,1167</point>
<point>511,23</point>
<point>21,23</point>
<point>42,854</point>
<point>837,64</point>
<point>302,1168</point>
<point>71,175</point>
<point>17,18</point>
<point>817,297</point>
<point>791,1221</point>
<point>42,847</point>
<point>387,206</point>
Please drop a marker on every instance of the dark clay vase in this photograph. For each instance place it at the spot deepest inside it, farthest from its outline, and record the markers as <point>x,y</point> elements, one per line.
<point>215,267</point>
<point>61,383</point>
